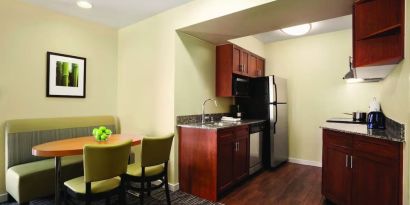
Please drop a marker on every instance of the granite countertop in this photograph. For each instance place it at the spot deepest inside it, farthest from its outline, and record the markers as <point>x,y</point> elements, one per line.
<point>221,124</point>
<point>360,129</point>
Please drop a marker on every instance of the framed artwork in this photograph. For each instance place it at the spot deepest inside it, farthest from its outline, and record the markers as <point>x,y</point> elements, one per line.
<point>65,75</point>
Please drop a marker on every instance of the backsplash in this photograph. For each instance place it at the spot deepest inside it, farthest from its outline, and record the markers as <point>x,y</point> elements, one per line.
<point>190,119</point>
<point>394,128</point>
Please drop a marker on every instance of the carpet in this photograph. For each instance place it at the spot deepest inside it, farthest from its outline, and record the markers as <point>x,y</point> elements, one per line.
<point>157,198</point>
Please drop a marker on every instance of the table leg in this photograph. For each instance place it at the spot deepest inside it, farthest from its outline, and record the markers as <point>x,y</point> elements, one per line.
<point>57,181</point>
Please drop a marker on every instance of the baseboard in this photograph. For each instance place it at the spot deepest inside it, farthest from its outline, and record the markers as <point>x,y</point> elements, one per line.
<point>3,197</point>
<point>173,187</point>
<point>305,162</point>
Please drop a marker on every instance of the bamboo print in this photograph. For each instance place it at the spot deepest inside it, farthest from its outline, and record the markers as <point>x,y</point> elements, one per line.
<point>59,74</point>
<point>66,72</point>
<point>70,78</point>
<point>75,73</point>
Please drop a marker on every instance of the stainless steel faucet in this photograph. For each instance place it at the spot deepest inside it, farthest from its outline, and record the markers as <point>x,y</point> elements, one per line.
<point>203,108</point>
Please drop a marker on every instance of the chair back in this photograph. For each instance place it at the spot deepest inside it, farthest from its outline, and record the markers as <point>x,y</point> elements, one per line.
<point>156,150</point>
<point>105,161</point>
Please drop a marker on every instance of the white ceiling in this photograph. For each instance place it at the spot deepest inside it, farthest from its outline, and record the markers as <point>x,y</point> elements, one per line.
<point>329,25</point>
<point>113,13</point>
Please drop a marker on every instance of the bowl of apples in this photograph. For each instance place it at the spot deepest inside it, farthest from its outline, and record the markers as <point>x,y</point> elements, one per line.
<point>102,133</point>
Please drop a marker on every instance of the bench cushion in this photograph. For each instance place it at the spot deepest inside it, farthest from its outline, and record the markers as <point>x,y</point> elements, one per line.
<point>36,179</point>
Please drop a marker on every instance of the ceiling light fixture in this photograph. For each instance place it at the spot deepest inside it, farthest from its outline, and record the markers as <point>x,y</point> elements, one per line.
<point>297,30</point>
<point>84,4</point>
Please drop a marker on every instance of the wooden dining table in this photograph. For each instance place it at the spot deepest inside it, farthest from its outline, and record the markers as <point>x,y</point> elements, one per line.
<point>74,146</point>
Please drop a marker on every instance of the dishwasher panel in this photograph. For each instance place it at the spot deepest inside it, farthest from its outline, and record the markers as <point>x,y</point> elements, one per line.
<point>255,155</point>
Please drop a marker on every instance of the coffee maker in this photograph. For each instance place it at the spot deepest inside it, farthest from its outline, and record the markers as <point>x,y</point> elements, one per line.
<point>375,118</point>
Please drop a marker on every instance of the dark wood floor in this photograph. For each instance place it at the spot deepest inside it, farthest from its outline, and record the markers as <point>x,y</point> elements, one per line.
<point>290,184</point>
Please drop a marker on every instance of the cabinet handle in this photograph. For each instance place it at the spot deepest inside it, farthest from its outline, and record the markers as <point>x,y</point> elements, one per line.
<point>351,162</point>
<point>347,159</point>
<point>238,146</point>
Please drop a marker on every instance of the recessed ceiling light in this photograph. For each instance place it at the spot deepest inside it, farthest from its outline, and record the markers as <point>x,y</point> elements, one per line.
<point>297,30</point>
<point>84,4</point>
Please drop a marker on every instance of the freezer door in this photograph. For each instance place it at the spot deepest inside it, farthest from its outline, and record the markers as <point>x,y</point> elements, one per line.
<point>279,137</point>
<point>281,90</point>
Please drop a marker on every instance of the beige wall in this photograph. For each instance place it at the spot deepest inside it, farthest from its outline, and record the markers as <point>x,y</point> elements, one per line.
<point>27,33</point>
<point>314,67</point>
<point>150,61</point>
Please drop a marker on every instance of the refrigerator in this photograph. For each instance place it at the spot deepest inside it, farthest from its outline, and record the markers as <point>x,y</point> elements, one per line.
<point>268,101</point>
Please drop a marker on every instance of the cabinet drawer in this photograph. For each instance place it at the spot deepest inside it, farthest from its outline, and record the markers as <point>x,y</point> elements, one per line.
<point>375,147</point>
<point>337,138</point>
<point>242,131</point>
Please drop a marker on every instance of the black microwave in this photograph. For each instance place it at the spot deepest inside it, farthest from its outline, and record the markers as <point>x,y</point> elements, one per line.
<point>240,86</point>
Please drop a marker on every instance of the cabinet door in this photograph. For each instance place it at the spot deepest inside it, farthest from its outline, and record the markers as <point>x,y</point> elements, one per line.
<point>225,159</point>
<point>236,63</point>
<point>252,65</point>
<point>241,161</point>
<point>336,176</point>
<point>374,182</point>
<point>376,15</point>
<point>260,67</point>
<point>244,62</point>
<point>378,32</point>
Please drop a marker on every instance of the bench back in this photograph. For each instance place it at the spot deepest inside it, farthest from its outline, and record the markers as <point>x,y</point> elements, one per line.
<point>22,135</point>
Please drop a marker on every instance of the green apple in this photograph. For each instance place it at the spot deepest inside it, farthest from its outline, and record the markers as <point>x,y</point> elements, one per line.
<point>95,130</point>
<point>108,131</point>
<point>104,137</point>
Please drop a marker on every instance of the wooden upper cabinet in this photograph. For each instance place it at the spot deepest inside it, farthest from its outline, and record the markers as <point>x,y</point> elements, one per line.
<point>244,62</point>
<point>260,67</point>
<point>378,32</point>
<point>232,59</point>
<point>252,65</point>
<point>237,63</point>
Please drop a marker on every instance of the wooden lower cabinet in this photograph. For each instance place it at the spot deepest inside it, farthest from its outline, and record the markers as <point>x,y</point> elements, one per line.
<point>361,170</point>
<point>211,161</point>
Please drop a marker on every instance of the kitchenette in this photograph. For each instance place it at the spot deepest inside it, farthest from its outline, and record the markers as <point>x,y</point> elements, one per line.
<point>282,112</point>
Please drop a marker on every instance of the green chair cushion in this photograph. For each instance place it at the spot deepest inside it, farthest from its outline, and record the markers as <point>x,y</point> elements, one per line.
<point>36,179</point>
<point>77,185</point>
<point>136,170</point>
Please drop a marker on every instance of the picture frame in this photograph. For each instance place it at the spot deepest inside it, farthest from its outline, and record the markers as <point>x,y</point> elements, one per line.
<point>66,75</point>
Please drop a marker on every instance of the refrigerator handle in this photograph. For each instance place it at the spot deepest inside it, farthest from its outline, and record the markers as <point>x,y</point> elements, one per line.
<point>276,118</point>
<point>276,94</point>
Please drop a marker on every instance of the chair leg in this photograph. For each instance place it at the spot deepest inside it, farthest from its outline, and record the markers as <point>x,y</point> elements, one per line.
<point>166,187</point>
<point>123,196</point>
<point>149,188</point>
<point>142,185</point>
<point>142,192</point>
<point>87,193</point>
